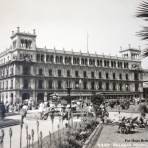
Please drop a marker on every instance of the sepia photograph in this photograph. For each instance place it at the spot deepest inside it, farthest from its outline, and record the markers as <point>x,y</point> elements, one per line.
<point>73,73</point>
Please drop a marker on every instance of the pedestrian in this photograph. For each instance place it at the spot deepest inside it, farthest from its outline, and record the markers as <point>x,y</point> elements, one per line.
<point>7,106</point>
<point>23,112</point>
<point>41,109</point>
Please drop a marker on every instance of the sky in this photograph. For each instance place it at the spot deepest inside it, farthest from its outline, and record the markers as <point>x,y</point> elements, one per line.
<point>108,24</point>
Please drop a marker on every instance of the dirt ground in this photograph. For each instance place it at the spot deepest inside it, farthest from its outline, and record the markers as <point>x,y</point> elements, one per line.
<point>110,138</point>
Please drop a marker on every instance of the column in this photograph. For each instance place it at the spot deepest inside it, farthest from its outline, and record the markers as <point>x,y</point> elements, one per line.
<point>54,58</point>
<point>63,60</point>
<point>45,58</point>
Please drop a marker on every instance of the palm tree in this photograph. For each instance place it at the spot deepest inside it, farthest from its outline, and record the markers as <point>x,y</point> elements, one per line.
<point>142,12</point>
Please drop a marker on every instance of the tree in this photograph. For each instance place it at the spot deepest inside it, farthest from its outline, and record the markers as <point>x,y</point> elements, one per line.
<point>143,13</point>
<point>97,100</point>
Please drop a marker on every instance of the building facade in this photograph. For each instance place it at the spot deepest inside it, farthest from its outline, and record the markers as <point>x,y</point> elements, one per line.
<point>29,72</point>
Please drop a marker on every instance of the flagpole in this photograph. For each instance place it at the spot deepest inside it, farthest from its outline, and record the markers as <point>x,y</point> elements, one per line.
<point>87,41</point>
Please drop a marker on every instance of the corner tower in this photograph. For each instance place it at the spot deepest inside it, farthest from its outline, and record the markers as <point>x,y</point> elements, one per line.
<point>131,53</point>
<point>23,40</point>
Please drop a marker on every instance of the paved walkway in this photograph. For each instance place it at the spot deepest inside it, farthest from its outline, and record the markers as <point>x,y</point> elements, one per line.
<point>44,125</point>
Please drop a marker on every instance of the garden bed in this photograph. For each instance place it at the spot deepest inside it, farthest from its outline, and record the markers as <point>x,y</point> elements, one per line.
<point>72,136</point>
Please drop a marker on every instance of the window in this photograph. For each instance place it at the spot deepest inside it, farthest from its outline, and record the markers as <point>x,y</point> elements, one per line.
<point>59,73</point>
<point>47,58</point>
<point>7,72</point>
<point>92,74</point>
<point>50,72</point>
<point>90,62</point>
<point>106,63</point>
<point>51,59</point>
<point>125,65</point>
<point>50,84</point>
<point>107,76</point>
<point>82,61</point>
<point>120,76</point>
<point>42,58</point>
<point>26,69</point>
<point>68,73</point>
<point>114,86</point>
<point>7,84</point>
<point>107,86</point>
<point>59,84</point>
<point>11,86</point>
<point>85,61</point>
<point>76,73</point>
<point>112,64</point>
<point>120,86</point>
<point>61,59</point>
<point>100,85</point>
<point>119,64</point>
<point>84,74</point>
<point>40,84</point>
<point>57,59</point>
<point>25,84</point>
<point>92,85</point>
<point>126,76</point>
<point>85,85</point>
<point>26,43</point>
<point>68,84</point>
<point>98,63</point>
<point>136,86</point>
<point>114,76</point>
<point>40,71</point>
<point>100,75</point>
<point>136,76</point>
<point>68,60</point>
<point>38,57</point>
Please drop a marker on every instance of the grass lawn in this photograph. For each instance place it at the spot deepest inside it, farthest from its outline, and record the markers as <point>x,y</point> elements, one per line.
<point>111,138</point>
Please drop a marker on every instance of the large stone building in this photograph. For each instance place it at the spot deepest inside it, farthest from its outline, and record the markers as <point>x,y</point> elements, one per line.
<point>27,71</point>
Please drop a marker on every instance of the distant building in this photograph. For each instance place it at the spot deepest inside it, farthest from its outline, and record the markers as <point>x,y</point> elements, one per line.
<point>145,84</point>
<point>27,71</point>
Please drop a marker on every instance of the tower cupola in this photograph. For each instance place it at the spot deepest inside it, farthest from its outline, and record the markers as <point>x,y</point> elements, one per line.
<point>23,40</point>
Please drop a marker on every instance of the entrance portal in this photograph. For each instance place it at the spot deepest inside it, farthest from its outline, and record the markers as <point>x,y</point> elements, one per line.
<point>25,96</point>
<point>40,97</point>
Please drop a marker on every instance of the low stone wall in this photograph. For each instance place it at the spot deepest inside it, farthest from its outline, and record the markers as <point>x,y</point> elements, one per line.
<point>91,141</point>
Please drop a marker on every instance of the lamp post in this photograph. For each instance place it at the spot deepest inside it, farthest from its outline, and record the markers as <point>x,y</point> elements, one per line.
<point>69,97</point>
